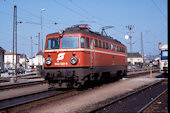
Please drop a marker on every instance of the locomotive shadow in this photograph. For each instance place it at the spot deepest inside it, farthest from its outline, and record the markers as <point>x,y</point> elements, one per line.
<point>93,84</point>
<point>59,89</point>
<point>162,76</point>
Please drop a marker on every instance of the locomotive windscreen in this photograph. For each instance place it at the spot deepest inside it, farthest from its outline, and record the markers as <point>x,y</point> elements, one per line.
<point>164,55</point>
<point>53,43</point>
<point>69,42</point>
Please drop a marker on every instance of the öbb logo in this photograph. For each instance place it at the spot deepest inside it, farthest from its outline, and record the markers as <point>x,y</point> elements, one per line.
<point>60,56</point>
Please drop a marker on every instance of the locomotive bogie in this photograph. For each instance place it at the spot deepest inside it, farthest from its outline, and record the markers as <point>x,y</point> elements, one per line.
<point>76,75</point>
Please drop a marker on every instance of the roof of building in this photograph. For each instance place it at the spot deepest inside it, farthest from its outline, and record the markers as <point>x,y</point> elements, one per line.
<point>132,55</point>
<point>22,55</point>
<point>40,53</point>
<point>10,53</point>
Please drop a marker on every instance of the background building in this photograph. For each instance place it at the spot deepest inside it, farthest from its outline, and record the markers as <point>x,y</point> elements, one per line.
<point>135,59</point>
<point>21,60</point>
<point>2,51</point>
<point>37,61</point>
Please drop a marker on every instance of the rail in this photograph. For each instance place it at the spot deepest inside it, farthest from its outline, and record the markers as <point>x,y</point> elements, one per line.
<point>121,98</point>
<point>12,102</point>
<point>147,106</point>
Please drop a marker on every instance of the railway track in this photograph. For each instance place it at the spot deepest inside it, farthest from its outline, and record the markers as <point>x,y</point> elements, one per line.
<point>153,105</point>
<point>32,99</point>
<point>18,85</point>
<point>23,102</point>
<point>140,73</point>
<point>131,102</point>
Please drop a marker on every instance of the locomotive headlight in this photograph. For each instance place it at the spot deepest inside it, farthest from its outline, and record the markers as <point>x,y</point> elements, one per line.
<point>73,60</point>
<point>165,63</point>
<point>48,61</point>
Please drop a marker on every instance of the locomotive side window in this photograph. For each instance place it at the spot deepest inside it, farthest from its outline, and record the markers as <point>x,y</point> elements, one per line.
<point>70,42</point>
<point>100,44</point>
<point>104,45</point>
<point>53,43</point>
<point>82,42</point>
<point>109,46</point>
<point>114,48</point>
<point>87,42</point>
<point>96,43</point>
<point>124,50</point>
<point>91,43</point>
<point>118,48</point>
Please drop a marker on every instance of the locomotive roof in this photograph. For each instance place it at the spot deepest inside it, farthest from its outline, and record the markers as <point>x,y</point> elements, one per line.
<point>86,30</point>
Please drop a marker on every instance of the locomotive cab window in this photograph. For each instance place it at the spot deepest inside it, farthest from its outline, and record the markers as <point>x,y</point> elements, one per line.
<point>53,43</point>
<point>70,42</point>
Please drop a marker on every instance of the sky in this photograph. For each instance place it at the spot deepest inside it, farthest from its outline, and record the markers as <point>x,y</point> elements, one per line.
<point>148,17</point>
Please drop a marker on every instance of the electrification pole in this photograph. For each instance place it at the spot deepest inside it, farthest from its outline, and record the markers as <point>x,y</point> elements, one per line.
<point>38,42</point>
<point>42,35</point>
<point>159,47</point>
<point>31,51</point>
<point>130,27</point>
<point>39,51</point>
<point>142,50</point>
<point>15,40</point>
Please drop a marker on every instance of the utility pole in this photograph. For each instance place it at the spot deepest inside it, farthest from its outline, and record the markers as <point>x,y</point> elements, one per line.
<point>159,47</point>
<point>142,50</point>
<point>31,51</point>
<point>38,51</point>
<point>42,28</point>
<point>38,42</point>
<point>42,35</point>
<point>130,27</point>
<point>15,39</point>
<point>25,61</point>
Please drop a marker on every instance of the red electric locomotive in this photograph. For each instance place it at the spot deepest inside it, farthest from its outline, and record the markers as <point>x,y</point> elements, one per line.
<point>78,55</point>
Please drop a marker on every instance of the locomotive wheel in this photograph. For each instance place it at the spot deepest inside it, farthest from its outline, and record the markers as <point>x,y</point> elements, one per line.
<point>119,75</point>
<point>77,85</point>
<point>51,85</point>
<point>124,73</point>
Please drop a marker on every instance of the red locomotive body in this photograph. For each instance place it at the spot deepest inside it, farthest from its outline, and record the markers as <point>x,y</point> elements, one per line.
<point>78,55</point>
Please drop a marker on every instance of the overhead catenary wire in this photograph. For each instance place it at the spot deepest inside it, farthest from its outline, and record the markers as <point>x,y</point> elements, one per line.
<point>87,15</point>
<point>37,17</point>
<point>159,9</point>
<point>74,11</point>
<point>94,17</point>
